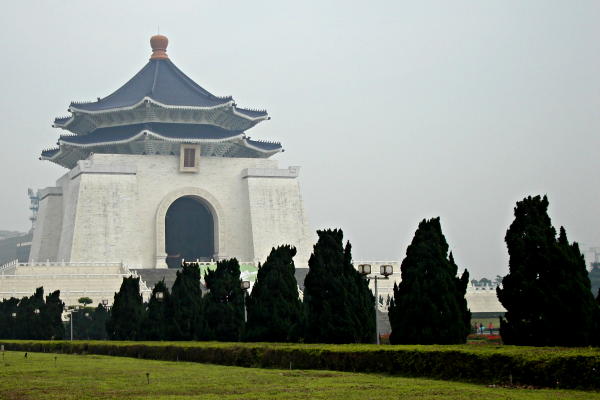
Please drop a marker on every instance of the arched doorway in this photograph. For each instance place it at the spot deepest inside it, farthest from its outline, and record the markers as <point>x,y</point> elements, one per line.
<point>189,231</point>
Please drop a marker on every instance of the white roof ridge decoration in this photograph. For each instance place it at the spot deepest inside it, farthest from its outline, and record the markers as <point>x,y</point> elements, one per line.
<point>264,141</point>
<point>147,99</point>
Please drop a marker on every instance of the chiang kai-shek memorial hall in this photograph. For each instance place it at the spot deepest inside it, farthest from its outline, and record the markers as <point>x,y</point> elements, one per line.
<point>162,170</point>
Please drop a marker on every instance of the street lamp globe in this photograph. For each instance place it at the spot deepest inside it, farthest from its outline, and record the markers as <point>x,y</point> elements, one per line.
<point>364,269</point>
<point>160,296</point>
<point>245,285</point>
<point>386,270</point>
<point>36,311</point>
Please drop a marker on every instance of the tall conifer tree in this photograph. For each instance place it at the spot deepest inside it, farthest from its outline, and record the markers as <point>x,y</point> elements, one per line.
<point>8,307</point>
<point>224,303</point>
<point>429,304</point>
<point>274,307</point>
<point>29,323</point>
<point>547,292</point>
<point>185,304</point>
<point>339,305</point>
<point>51,315</point>
<point>127,311</point>
<point>158,317</point>
<point>99,317</point>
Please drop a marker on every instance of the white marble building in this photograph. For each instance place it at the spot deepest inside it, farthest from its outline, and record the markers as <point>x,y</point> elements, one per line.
<point>112,208</point>
<point>158,139</point>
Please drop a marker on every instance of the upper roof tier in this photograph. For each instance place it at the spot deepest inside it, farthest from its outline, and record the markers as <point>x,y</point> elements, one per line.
<point>159,87</point>
<point>161,81</point>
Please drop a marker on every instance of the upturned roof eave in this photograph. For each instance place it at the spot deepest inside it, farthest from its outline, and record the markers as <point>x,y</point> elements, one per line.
<point>54,155</point>
<point>238,112</point>
<point>64,141</point>
<point>251,144</point>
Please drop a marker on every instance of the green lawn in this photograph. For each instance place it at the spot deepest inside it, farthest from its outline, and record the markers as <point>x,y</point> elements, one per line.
<point>41,376</point>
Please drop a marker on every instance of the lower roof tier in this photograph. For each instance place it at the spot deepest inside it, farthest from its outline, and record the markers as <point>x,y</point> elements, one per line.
<point>158,138</point>
<point>227,116</point>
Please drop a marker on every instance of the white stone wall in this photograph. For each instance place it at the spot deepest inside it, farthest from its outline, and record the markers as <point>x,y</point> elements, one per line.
<point>114,206</point>
<point>483,300</point>
<point>99,282</point>
<point>70,195</point>
<point>106,211</point>
<point>44,246</point>
<point>277,213</point>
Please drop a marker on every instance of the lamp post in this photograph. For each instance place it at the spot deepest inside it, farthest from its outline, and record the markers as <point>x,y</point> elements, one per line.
<point>14,324</point>
<point>70,312</point>
<point>385,270</point>
<point>245,285</point>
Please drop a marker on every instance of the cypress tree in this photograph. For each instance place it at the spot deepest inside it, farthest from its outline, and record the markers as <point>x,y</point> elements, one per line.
<point>361,300</point>
<point>224,303</point>
<point>547,292</point>
<point>97,329</point>
<point>51,315</point>
<point>339,305</point>
<point>8,307</point>
<point>185,304</point>
<point>429,305</point>
<point>29,324</point>
<point>127,312</point>
<point>274,307</point>
<point>156,321</point>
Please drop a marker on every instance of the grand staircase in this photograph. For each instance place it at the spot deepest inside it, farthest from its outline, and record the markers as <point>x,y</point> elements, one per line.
<point>98,281</point>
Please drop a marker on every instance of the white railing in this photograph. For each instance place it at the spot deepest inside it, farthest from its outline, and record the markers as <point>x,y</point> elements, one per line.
<point>8,266</point>
<point>66,292</point>
<point>128,272</point>
<point>58,275</point>
<point>70,264</point>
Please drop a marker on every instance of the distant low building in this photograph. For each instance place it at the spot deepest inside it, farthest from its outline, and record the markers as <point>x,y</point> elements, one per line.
<point>14,246</point>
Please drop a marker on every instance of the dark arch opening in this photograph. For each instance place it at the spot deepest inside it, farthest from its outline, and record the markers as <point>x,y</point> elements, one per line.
<point>189,232</point>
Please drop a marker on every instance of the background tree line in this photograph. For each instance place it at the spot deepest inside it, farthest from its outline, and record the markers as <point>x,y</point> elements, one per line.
<point>546,294</point>
<point>33,317</point>
<point>338,306</point>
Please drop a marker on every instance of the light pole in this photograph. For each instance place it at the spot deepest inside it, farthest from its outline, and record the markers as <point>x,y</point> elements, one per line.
<point>245,285</point>
<point>385,270</point>
<point>70,312</point>
<point>14,324</point>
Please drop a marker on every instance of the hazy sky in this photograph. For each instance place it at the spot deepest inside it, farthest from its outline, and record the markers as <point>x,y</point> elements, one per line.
<point>395,110</point>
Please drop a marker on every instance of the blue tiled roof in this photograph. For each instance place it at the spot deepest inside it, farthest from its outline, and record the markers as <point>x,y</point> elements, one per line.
<point>50,152</point>
<point>61,120</point>
<point>163,82</point>
<point>174,131</point>
<point>264,145</point>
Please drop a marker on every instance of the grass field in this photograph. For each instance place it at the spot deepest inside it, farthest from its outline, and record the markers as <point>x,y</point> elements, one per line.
<point>59,376</point>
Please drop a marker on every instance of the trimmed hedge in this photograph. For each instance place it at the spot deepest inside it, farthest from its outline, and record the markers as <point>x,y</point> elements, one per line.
<point>505,365</point>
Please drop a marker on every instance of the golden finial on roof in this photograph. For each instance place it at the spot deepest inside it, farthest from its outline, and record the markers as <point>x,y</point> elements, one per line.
<point>159,45</point>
